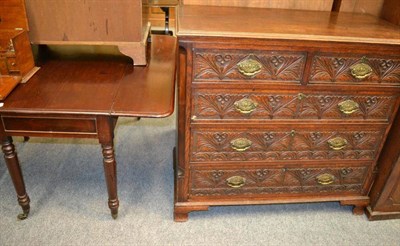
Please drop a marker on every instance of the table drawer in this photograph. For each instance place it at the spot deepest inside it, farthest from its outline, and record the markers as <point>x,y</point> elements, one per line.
<point>219,145</point>
<point>264,180</point>
<point>241,104</point>
<point>54,125</point>
<point>355,70</point>
<point>248,65</point>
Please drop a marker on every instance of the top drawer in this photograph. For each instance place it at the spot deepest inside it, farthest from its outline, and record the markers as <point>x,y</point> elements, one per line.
<point>355,70</point>
<point>239,65</point>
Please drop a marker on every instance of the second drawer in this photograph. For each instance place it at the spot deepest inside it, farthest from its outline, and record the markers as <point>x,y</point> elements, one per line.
<point>248,104</point>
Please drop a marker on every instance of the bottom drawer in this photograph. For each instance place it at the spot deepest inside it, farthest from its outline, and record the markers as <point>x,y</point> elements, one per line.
<point>263,180</point>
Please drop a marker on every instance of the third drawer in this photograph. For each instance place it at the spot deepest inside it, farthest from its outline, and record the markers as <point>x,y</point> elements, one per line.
<point>286,142</point>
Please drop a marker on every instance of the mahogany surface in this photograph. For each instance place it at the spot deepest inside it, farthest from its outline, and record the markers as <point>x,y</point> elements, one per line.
<point>260,102</point>
<point>82,98</point>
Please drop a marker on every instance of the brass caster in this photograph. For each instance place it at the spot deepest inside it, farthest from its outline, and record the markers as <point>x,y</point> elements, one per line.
<point>114,216</point>
<point>23,216</point>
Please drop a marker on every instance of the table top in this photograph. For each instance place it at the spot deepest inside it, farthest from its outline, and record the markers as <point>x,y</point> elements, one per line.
<point>284,24</point>
<point>109,86</point>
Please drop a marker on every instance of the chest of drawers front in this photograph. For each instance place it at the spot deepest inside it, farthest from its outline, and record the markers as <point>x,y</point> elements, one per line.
<point>264,122</point>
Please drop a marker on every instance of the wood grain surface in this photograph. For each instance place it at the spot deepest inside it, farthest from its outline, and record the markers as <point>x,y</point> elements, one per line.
<point>285,24</point>
<point>101,85</point>
<point>13,15</point>
<point>89,20</point>
<point>283,4</point>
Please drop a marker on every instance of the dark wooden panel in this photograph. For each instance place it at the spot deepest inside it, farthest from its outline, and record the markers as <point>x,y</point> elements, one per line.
<point>49,125</point>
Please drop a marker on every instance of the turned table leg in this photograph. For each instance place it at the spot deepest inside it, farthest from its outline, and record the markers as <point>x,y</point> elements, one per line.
<point>14,169</point>
<point>110,172</point>
<point>105,126</point>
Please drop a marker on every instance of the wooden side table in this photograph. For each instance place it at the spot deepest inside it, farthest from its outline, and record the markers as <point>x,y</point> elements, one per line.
<point>83,98</point>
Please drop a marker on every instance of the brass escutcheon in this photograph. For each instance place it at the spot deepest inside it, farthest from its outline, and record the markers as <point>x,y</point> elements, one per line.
<point>236,181</point>
<point>241,144</point>
<point>249,67</point>
<point>361,70</point>
<point>325,179</point>
<point>301,96</point>
<point>348,107</point>
<point>245,106</point>
<point>337,143</point>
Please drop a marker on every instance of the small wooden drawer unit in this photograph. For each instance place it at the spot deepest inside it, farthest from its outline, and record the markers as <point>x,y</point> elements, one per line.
<point>16,57</point>
<point>264,120</point>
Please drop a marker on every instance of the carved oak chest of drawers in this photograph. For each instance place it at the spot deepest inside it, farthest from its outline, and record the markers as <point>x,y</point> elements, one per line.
<point>269,117</point>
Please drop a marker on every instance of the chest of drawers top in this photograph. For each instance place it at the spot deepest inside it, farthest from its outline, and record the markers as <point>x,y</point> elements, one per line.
<point>263,23</point>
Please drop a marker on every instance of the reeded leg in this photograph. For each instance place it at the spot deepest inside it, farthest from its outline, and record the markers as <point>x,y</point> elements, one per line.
<point>110,172</point>
<point>16,175</point>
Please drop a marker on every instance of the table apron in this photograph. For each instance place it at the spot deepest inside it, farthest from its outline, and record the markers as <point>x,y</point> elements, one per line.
<point>50,126</point>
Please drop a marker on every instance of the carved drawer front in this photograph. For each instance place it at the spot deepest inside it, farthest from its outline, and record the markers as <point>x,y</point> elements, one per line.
<point>355,70</point>
<point>221,181</point>
<point>238,65</point>
<point>236,104</point>
<point>273,145</point>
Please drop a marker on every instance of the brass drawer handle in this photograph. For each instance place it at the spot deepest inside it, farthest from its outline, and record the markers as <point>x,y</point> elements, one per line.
<point>361,70</point>
<point>249,67</point>
<point>337,143</point>
<point>325,179</point>
<point>236,181</point>
<point>245,106</point>
<point>348,107</point>
<point>241,144</point>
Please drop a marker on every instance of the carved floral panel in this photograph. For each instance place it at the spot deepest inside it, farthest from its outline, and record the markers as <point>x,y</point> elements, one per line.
<point>213,105</point>
<point>338,69</point>
<point>277,180</point>
<point>214,146</point>
<point>225,65</point>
